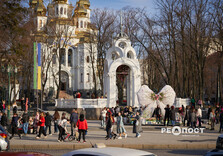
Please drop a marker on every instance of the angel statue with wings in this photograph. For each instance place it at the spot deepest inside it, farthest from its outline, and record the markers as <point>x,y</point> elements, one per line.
<point>147,98</point>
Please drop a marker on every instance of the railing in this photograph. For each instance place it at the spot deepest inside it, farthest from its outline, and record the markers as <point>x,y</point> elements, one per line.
<point>81,103</point>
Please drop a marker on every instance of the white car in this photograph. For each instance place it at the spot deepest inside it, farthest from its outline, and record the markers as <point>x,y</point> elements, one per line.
<point>219,142</point>
<point>4,140</point>
<point>108,151</point>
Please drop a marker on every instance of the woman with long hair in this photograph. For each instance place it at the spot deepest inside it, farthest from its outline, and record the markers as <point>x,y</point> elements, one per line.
<point>56,118</point>
<point>42,124</point>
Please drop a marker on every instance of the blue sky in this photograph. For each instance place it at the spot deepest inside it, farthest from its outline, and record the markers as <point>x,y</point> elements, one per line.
<point>118,4</point>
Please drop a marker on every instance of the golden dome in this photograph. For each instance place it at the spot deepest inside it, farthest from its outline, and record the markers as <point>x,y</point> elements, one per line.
<point>33,3</point>
<point>81,9</point>
<point>40,8</point>
<point>60,1</point>
<point>85,2</point>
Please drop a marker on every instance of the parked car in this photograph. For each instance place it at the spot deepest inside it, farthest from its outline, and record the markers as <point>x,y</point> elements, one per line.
<point>4,140</point>
<point>219,142</point>
<point>23,154</point>
<point>214,152</point>
<point>109,151</point>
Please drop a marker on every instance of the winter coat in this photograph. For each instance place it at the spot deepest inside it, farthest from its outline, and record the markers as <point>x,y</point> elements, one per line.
<point>74,117</point>
<point>42,121</point>
<point>82,124</point>
<point>48,120</point>
<point>109,123</point>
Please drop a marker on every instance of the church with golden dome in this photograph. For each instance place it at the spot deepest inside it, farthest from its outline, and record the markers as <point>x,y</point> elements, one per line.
<point>63,31</point>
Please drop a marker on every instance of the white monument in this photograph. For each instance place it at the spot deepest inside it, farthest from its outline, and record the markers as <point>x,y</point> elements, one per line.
<point>122,54</point>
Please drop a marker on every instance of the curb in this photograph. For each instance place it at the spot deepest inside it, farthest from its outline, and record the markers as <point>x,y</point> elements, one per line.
<point>132,146</point>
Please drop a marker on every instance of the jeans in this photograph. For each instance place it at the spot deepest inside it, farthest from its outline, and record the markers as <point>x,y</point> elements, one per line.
<point>173,122</point>
<point>55,127</point>
<point>25,127</point>
<point>103,121</point>
<point>73,125</point>
<point>47,128</point>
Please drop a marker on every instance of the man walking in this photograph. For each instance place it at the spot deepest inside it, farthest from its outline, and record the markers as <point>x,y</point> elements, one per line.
<point>73,120</point>
<point>199,115</point>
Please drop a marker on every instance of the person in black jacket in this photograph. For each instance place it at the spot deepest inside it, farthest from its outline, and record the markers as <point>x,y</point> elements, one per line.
<point>14,124</point>
<point>4,121</point>
<point>109,126</point>
<point>48,120</point>
<point>157,113</point>
<point>167,115</point>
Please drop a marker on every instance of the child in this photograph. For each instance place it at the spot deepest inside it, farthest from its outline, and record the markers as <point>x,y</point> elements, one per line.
<point>82,127</point>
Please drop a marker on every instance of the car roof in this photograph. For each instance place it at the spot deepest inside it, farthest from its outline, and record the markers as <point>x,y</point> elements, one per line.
<point>221,136</point>
<point>23,154</point>
<point>110,151</point>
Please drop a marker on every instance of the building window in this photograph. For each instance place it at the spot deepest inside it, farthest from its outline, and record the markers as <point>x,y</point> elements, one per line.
<point>62,56</point>
<point>88,77</point>
<point>81,24</point>
<point>57,11</point>
<point>85,24</point>
<point>88,59</point>
<point>70,58</point>
<point>81,77</point>
<point>40,23</point>
<point>61,10</point>
<point>65,11</point>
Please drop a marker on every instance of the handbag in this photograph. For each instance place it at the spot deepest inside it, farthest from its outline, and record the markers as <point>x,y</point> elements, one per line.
<point>85,132</point>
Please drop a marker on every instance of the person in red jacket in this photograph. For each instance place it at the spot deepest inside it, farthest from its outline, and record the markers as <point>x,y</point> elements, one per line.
<point>82,127</point>
<point>41,124</point>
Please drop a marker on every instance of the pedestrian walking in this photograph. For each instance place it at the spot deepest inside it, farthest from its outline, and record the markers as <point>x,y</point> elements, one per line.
<point>183,113</point>
<point>62,125</point>
<point>193,119</point>
<point>73,120</point>
<point>48,120</point>
<point>56,118</point>
<point>137,128</point>
<point>42,124</point>
<point>82,127</point>
<point>36,123</point>
<point>199,116</point>
<point>187,115</point>
<point>212,118</point>
<point>14,125</point>
<point>172,116</point>
<point>217,113</point>
<point>120,126</point>
<point>167,115</point>
<point>209,111</point>
<point>25,121</point>
<point>103,117</point>
<point>221,121</point>
<point>109,122</point>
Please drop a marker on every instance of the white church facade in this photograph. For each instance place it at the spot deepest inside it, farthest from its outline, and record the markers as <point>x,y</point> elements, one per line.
<point>63,34</point>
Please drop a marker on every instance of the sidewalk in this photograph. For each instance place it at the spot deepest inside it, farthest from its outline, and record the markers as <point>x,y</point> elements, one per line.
<point>151,138</point>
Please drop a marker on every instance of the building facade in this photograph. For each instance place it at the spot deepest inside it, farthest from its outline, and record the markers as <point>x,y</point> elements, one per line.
<point>67,47</point>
